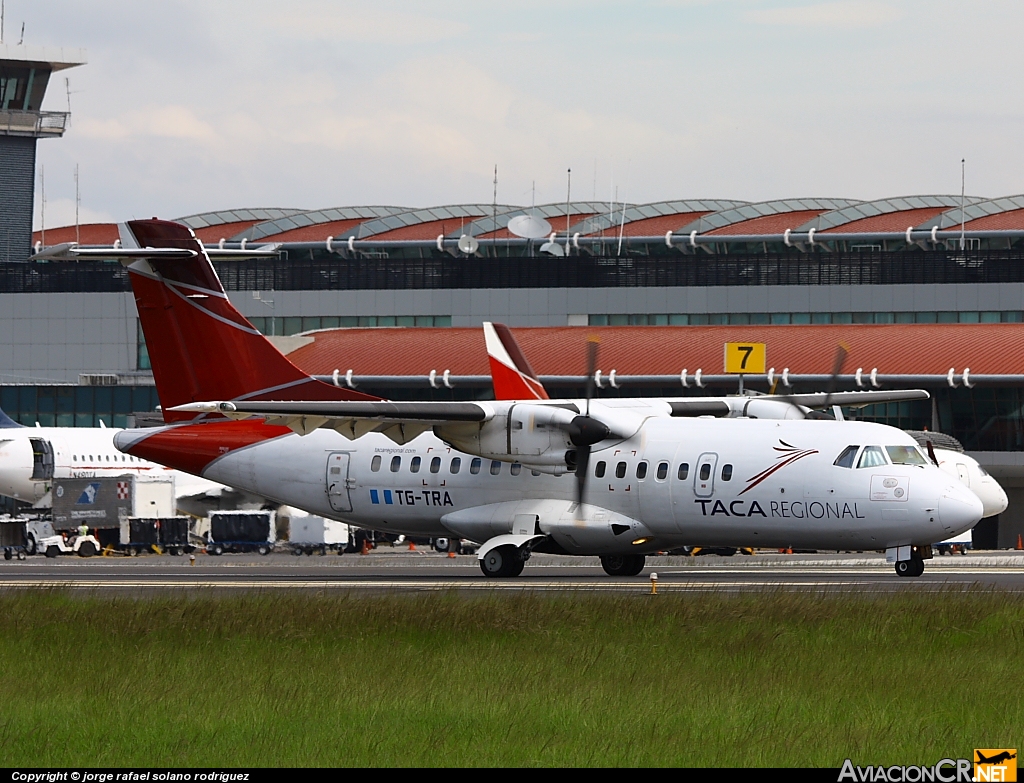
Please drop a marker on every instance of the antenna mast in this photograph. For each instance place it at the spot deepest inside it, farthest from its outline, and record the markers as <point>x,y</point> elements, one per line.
<point>963,180</point>
<point>494,209</point>
<point>568,192</point>
<point>78,201</point>
<point>42,205</point>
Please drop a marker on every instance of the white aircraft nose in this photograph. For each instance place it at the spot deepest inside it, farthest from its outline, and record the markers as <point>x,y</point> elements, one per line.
<point>993,498</point>
<point>959,509</point>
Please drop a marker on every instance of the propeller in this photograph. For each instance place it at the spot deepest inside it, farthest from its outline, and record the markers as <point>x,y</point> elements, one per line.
<point>842,351</point>
<point>584,431</point>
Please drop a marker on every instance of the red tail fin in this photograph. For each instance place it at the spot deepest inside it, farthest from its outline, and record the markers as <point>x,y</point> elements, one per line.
<point>511,373</point>
<point>200,346</point>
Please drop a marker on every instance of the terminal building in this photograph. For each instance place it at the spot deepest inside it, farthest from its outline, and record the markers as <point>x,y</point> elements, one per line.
<point>928,291</point>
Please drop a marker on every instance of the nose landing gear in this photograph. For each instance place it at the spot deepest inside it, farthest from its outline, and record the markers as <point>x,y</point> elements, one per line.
<point>912,567</point>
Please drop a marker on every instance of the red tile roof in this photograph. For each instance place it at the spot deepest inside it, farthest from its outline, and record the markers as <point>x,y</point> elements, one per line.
<point>770,224</point>
<point>653,227</point>
<point>1001,221</point>
<point>557,224</point>
<point>91,234</point>
<point>428,230</point>
<point>315,233</point>
<point>666,350</point>
<point>890,221</point>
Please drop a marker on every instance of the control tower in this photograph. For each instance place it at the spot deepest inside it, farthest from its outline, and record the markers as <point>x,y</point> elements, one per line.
<point>24,75</point>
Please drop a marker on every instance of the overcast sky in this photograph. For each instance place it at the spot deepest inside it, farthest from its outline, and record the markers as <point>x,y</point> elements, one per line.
<point>189,106</point>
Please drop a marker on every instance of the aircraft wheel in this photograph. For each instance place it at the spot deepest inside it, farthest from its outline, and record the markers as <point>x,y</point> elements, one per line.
<point>501,562</point>
<point>910,568</point>
<point>87,549</point>
<point>623,565</point>
<point>52,551</point>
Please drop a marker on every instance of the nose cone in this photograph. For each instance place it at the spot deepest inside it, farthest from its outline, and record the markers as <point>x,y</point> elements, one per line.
<point>993,498</point>
<point>959,509</point>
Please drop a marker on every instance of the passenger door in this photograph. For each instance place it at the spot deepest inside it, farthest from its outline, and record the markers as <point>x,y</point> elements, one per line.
<point>338,481</point>
<point>704,475</point>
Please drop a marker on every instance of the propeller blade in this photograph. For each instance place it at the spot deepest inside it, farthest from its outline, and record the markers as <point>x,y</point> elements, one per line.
<point>842,351</point>
<point>582,464</point>
<point>931,453</point>
<point>592,345</point>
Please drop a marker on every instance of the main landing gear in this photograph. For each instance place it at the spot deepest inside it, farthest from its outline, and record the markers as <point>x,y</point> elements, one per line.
<point>912,567</point>
<point>503,561</point>
<point>623,565</point>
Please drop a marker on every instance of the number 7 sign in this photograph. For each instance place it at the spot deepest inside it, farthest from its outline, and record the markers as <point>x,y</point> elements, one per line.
<point>745,358</point>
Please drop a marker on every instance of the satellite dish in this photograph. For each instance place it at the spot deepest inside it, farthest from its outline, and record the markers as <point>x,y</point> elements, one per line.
<point>552,249</point>
<point>529,226</point>
<point>468,244</point>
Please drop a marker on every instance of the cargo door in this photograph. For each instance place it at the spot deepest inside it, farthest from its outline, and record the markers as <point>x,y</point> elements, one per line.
<point>338,482</point>
<point>42,459</point>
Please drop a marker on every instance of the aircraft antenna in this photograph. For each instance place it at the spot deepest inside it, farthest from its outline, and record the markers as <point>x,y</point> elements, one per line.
<point>42,205</point>
<point>494,207</point>
<point>22,40</point>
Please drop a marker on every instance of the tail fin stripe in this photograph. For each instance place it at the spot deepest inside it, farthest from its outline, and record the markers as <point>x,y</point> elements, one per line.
<point>174,290</point>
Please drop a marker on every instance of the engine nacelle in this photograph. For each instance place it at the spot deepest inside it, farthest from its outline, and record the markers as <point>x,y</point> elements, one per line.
<point>524,432</point>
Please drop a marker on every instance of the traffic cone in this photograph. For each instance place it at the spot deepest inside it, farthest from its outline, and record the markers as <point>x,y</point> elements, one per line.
<point>1020,543</point>
<point>789,550</point>
<point>450,553</point>
<point>366,547</point>
<point>412,547</point>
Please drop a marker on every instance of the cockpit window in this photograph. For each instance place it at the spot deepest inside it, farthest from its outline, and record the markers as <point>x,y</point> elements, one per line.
<point>845,460</point>
<point>871,457</point>
<point>905,455</point>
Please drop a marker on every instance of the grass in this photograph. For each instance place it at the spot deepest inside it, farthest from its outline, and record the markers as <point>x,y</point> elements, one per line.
<point>779,679</point>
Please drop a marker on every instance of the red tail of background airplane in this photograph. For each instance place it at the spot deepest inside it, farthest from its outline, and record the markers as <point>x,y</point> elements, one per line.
<point>511,373</point>
<point>200,346</point>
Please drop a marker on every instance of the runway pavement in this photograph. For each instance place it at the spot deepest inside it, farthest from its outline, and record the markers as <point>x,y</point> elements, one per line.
<point>401,570</point>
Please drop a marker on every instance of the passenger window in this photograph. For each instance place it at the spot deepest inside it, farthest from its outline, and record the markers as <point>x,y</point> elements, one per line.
<point>495,467</point>
<point>375,463</point>
<point>74,458</point>
<point>684,470</point>
<point>726,472</point>
<point>435,465</point>
<point>474,466</point>
<point>845,460</point>
<point>515,468</point>
<point>599,469</point>
<point>641,469</point>
<point>705,471</point>
<point>871,457</point>
<point>662,471</point>
<point>905,455</point>
<point>620,470</point>
<point>396,464</point>
<point>414,465</point>
<point>456,464</point>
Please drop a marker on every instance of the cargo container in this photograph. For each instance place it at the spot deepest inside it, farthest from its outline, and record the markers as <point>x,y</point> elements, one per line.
<point>12,537</point>
<point>101,502</point>
<point>241,531</point>
<point>163,534</point>
<point>317,534</point>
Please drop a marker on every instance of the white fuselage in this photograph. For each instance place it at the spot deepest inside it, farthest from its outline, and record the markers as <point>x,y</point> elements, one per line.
<point>31,458</point>
<point>746,482</point>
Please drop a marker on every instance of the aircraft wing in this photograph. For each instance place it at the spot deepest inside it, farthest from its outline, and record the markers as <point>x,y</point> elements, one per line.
<point>400,421</point>
<point>853,399</point>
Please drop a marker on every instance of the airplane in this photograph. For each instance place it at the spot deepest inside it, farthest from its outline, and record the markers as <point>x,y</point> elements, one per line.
<point>31,458</point>
<point>650,474</point>
<point>514,378</point>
